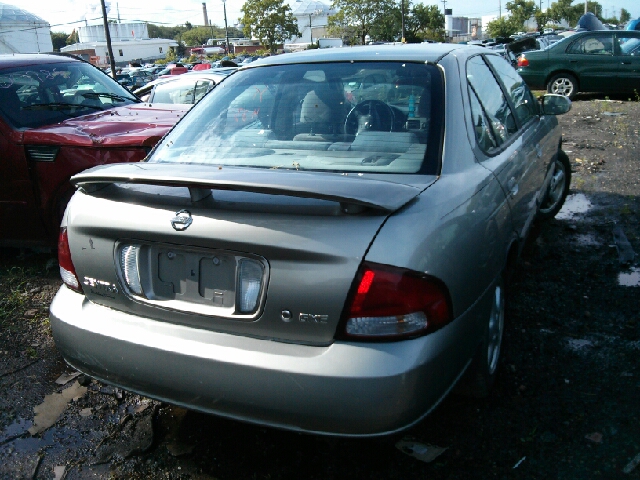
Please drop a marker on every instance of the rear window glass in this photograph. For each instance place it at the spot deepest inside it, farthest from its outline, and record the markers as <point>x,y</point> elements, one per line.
<point>346,117</point>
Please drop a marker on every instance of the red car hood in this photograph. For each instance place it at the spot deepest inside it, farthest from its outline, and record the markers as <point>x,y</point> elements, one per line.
<point>141,124</point>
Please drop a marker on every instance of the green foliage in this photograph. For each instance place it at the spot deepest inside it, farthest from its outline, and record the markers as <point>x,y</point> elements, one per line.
<point>339,27</point>
<point>425,23</point>
<point>625,16</point>
<point>521,11</point>
<point>157,31</point>
<point>501,27</point>
<point>388,27</point>
<point>564,10</point>
<point>270,21</point>
<point>59,40</point>
<point>197,36</point>
<point>359,17</point>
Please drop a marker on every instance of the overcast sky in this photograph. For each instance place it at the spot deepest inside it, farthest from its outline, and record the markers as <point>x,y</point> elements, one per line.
<point>64,15</point>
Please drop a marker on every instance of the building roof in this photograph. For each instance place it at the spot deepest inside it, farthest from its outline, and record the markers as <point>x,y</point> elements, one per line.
<point>10,14</point>
<point>309,7</point>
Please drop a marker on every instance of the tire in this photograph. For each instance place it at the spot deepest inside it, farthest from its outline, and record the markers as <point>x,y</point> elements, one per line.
<point>481,374</point>
<point>563,84</point>
<point>558,187</point>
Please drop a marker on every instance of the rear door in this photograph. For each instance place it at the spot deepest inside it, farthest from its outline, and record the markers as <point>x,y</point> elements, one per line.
<point>591,57</point>
<point>506,142</point>
<point>628,55</point>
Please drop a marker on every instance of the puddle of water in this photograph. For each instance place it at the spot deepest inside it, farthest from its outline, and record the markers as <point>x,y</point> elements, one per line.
<point>574,206</point>
<point>587,240</point>
<point>629,279</point>
<point>579,344</point>
<point>17,428</point>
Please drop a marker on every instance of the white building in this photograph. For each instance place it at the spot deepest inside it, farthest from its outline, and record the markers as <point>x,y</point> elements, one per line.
<point>23,32</point>
<point>130,42</point>
<point>312,17</point>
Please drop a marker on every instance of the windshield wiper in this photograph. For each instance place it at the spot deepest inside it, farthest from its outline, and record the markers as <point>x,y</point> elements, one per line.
<point>58,106</point>
<point>112,96</point>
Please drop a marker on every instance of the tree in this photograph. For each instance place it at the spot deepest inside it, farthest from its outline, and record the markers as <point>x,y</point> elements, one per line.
<point>362,15</point>
<point>501,27</point>
<point>337,26</point>
<point>425,23</point>
<point>388,27</point>
<point>625,16</point>
<point>271,21</point>
<point>59,40</point>
<point>200,35</point>
<point>521,11</point>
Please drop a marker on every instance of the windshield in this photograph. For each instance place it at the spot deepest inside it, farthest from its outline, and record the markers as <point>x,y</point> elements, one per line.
<point>345,117</point>
<point>44,94</point>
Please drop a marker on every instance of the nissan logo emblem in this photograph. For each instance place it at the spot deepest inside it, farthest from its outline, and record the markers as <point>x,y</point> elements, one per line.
<point>182,220</point>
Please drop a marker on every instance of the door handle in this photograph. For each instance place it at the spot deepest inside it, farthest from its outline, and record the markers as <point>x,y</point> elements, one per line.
<point>512,185</point>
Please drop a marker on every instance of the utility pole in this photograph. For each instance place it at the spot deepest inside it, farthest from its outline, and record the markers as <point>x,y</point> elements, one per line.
<point>402,38</point>
<point>444,11</point>
<point>107,37</point>
<point>226,29</point>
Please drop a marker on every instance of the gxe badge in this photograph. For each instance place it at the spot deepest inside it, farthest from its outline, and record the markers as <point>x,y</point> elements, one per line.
<point>182,220</point>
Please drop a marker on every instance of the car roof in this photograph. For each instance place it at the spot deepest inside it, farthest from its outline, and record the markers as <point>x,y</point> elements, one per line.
<point>24,59</point>
<point>420,52</point>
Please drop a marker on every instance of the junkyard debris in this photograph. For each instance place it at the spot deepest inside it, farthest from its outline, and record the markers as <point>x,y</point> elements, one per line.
<point>632,464</point>
<point>66,378</point>
<point>595,437</point>
<point>625,251</point>
<point>422,451</point>
<point>59,472</point>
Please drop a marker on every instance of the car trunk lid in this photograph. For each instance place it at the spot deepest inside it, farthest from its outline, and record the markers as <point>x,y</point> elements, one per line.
<point>191,237</point>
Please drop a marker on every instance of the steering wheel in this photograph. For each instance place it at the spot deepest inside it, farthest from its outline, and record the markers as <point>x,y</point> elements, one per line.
<point>369,115</point>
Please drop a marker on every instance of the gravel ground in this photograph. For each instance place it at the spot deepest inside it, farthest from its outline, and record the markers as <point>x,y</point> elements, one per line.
<point>565,404</point>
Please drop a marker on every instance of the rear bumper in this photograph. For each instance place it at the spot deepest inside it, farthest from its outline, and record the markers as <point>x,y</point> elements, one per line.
<point>350,389</point>
<point>534,80</point>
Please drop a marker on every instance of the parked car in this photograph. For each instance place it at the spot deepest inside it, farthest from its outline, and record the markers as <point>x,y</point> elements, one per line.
<point>292,259</point>
<point>212,74</point>
<point>604,61</point>
<point>58,116</point>
<point>188,88</point>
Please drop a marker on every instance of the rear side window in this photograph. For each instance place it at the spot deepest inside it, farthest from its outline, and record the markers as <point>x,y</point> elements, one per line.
<point>493,119</point>
<point>593,45</point>
<point>525,105</point>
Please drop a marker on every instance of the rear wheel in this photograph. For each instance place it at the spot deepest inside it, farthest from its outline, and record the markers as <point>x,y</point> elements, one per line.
<point>563,84</point>
<point>558,187</point>
<point>481,374</point>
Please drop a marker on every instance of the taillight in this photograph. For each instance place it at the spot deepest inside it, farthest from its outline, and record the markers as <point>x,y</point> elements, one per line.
<point>391,303</point>
<point>522,61</point>
<point>67,270</point>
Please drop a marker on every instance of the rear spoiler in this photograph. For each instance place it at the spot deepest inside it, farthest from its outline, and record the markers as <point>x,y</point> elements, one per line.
<point>348,189</point>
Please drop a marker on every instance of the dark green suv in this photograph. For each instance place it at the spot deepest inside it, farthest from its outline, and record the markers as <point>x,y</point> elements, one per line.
<point>604,61</point>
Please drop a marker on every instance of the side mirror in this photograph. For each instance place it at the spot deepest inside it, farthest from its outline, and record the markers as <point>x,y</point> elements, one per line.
<point>553,104</point>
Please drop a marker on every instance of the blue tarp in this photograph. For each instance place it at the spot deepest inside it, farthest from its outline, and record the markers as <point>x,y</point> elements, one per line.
<point>590,22</point>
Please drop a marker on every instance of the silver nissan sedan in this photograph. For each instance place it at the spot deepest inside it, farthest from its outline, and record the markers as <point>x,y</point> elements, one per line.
<point>321,244</point>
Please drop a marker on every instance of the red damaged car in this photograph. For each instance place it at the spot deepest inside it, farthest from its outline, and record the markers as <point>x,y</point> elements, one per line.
<point>58,116</point>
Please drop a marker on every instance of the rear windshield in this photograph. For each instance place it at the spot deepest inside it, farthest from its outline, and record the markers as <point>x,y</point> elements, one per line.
<point>347,117</point>
<point>44,94</point>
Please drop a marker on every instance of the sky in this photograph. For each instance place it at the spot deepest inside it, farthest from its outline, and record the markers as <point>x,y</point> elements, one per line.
<point>64,15</point>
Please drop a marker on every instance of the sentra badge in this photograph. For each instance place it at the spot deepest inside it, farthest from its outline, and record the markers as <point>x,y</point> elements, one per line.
<point>182,220</point>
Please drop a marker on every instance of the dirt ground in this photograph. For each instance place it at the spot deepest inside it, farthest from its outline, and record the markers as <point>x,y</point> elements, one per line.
<point>566,404</point>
